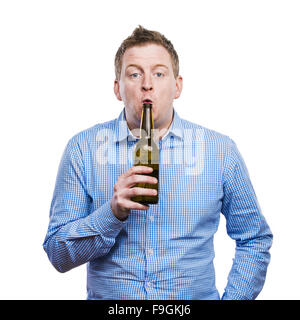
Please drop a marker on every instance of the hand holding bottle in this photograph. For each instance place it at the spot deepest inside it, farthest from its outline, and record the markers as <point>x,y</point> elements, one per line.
<point>124,190</point>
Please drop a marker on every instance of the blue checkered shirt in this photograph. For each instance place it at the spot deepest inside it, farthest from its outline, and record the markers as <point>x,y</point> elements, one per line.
<point>166,252</point>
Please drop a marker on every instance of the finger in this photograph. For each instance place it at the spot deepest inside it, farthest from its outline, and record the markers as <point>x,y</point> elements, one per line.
<point>132,205</point>
<point>138,178</point>
<point>141,192</point>
<point>134,171</point>
<point>137,169</point>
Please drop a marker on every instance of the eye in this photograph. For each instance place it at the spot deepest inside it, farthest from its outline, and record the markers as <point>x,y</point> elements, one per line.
<point>159,74</point>
<point>135,75</point>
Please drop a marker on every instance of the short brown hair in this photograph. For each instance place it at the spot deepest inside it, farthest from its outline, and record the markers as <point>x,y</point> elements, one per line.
<point>140,37</point>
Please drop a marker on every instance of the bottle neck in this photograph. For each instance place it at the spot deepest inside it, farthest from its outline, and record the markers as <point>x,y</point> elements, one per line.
<point>146,122</point>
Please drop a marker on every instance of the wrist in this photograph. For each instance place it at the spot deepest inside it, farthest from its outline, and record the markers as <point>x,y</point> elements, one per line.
<point>120,214</point>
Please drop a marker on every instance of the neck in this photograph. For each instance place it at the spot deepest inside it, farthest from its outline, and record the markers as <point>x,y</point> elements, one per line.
<point>160,131</point>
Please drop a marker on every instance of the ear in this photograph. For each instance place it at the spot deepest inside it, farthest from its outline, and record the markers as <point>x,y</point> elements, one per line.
<point>117,90</point>
<point>179,85</point>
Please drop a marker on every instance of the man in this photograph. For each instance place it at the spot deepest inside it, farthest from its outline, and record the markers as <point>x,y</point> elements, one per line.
<point>162,251</point>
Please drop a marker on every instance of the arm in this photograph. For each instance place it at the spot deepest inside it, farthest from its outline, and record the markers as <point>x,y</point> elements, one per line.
<point>246,225</point>
<point>76,235</point>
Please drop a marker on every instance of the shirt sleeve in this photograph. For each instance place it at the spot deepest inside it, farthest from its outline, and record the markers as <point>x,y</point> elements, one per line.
<point>247,226</point>
<point>76,235</point>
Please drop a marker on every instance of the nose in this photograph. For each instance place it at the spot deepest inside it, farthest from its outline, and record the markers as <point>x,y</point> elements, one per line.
<point>147,83</point>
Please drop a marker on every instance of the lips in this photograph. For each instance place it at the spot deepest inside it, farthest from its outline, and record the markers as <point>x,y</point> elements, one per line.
<point>147,101</point>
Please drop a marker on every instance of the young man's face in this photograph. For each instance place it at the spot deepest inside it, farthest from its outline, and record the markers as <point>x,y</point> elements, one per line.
<point>147,74</point>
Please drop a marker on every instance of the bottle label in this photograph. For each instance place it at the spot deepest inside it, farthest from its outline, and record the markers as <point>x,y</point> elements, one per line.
<point>146,154</point>
<point>147,148</point>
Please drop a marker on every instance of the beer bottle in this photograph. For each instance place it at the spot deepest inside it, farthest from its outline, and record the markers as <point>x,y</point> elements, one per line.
<point>146,153</point>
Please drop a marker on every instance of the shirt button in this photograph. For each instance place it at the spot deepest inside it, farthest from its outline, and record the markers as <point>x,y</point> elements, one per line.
<point>151,218</point>
<point>150,251</point>
<point>149,284</point>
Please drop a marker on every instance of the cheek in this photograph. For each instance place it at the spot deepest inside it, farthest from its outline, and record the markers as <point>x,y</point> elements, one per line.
<point>122,90</point>
<point>127,91</point>
<point>168,91</point>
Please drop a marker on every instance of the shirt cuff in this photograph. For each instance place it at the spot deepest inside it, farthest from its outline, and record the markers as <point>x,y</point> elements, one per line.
<point>105,221</point>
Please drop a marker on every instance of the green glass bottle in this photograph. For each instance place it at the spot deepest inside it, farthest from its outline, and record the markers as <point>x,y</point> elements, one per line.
<point>146,153</point>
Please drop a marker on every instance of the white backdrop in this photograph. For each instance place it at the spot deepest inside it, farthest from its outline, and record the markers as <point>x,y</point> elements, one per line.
<point>241,70</point>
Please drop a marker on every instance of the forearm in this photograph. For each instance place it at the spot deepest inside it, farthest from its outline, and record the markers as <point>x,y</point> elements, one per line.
<point>246,225</point>
<point>248,272</point>
<point>83,240</point>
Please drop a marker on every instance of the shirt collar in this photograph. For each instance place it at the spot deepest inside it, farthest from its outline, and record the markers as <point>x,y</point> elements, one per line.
<point>123,132</point>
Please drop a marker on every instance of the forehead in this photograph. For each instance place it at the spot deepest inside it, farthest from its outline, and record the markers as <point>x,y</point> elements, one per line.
<point>150,54</point>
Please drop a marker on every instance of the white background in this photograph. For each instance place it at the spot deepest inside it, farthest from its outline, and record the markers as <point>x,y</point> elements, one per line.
<point>241,70</point>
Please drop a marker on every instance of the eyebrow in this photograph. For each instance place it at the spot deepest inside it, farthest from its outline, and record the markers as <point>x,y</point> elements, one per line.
<point>139,67</point>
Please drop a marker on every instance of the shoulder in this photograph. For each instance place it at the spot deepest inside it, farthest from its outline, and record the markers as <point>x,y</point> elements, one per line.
<point>210,136</point>
<point>218,147</point>
<point>92,134</point>
<point>87,141</point>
